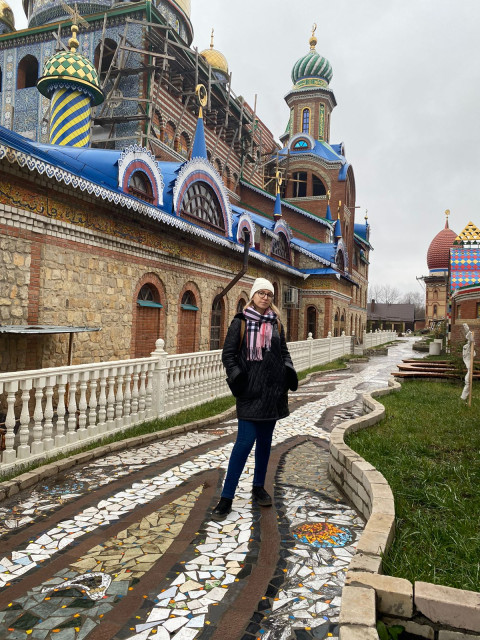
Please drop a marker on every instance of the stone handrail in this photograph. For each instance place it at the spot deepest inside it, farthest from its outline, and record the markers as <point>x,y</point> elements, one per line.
<point>48,411</point>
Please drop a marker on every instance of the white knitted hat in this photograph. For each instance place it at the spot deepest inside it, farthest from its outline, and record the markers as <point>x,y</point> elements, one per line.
<point>261,284</point>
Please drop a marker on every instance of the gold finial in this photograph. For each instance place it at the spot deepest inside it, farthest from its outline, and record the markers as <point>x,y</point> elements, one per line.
<point>76,20</point>
<point>447,212</point>
<point>211,38</point>
<point>278,181</point>
<point>366,214</point>
<point>328,196</point>
<point>313,39</point>
<point>202,98</point>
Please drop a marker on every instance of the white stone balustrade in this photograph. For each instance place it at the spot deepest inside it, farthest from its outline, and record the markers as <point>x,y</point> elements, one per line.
<point>55,410</point>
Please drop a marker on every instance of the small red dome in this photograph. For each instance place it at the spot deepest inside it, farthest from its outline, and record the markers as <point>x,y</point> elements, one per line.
<point>438,256</point>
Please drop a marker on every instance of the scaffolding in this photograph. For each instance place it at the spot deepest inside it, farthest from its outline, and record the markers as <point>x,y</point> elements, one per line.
<point>164,62</point>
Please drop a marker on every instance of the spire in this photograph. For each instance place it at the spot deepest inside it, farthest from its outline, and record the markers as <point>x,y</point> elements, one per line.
<point>199,148</point>
<point>313,40</point>
<point>277,211</point>
<point>328,215</point>
<point>338,230</point>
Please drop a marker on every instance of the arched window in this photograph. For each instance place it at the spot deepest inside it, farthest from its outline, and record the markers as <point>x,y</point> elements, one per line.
<point>300,184</point>
<point>140,186</point>
<point>187,329</point>
<point>318,186</point>
<point>434,310</point>
<point>306,120</point>
<point>336,322</point>
<point>301,144</point>
<point>200,202</point>
<point>312,321</point>
<point>339,261</point>
<point>280,248</point>
<point>218,166</point>
<point>435,294</point>
<point>183,145</point>
<point>147,320</point>
<point>109,49</point>
<point>216,325</point>
<point>169,134</point>
<point>27,72</point>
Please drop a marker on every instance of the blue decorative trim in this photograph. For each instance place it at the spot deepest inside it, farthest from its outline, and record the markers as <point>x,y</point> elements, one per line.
<point>135,153</point>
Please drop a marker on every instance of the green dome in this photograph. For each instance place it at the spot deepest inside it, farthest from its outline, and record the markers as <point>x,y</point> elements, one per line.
<point>312,70</point>
<point>72,70</point>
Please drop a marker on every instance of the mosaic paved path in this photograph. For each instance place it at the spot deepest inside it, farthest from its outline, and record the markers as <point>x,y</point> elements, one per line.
<point>123,547</point>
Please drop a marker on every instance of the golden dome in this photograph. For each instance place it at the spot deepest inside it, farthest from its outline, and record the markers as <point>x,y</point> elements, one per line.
<point>184,6</point>
<point>6,15</point>
<point>215,59</point>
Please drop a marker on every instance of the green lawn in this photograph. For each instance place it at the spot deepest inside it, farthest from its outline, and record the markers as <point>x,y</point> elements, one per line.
<point>428,449</point>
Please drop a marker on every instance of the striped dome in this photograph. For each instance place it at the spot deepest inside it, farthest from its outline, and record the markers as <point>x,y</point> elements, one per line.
<point>70,69</point>
<point>438,255</point>
<point>312,69</point>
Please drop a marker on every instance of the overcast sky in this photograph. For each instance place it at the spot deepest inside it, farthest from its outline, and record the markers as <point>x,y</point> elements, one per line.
<point>406,76</point>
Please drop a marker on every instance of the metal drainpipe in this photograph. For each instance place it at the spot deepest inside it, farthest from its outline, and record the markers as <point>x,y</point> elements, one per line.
<point>242,272</point>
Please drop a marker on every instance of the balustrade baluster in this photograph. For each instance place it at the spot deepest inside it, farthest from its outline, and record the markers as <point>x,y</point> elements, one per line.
<point>187,386</point>
<point>149,392</point>
<point>48,441</point>
<point>9,454</point>
<point>176,385</point>
<point>82,406</point>
<point>183,401</point>
<point>170,386</point>
<point>111,400</point>
<point>23,450</point>
<point>37,444</point>
<point>92,404</point>
<point>60,437</point>
<point>142,393</point>
<point>135,376</point>
<point>72,408</point>
<point>127,403</point>
<point>119,399</point>
<point>102,402</point>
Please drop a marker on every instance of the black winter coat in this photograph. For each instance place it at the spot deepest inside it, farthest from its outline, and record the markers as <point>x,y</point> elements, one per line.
<point>261,388</point>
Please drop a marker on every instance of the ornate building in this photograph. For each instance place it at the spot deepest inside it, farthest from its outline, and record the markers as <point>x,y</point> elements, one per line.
<point>122,210</point>
<point>436,282</point>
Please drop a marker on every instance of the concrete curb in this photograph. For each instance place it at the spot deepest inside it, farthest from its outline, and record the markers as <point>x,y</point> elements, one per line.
<point>426,610</point>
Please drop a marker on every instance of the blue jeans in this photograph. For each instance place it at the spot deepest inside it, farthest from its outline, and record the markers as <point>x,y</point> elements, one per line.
<point>248,433</point>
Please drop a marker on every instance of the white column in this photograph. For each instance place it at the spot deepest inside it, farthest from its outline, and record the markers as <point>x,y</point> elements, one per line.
<point>23,450</point>
<point>37,444</point>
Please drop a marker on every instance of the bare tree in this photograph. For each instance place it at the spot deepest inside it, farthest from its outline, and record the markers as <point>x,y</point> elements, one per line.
<point>416,298</point>
<point>384,293</point>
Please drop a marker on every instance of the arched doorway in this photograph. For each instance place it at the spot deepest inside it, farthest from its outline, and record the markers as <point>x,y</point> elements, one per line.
<point>187,327</point>
<point>147,324</point>
<point>312,322</point>
<point>216,324</point>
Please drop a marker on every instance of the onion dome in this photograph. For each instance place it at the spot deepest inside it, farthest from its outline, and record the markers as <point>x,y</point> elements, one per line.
<point>312,69</point>
<point>7,20</point>
<point>69,69</point>
<point>216,60</point>
<point>438,255</point>
<point>41,12</point>
<point>184,6</point>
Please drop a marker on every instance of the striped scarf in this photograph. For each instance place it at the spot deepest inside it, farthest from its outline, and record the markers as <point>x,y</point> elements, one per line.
<point>259,332</point>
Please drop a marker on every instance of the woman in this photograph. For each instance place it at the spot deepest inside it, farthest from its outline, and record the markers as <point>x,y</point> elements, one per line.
<point>260,372</point>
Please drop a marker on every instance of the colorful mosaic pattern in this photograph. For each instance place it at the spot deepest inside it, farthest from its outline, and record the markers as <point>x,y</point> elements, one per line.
<point>471,233</point>
<point>70,119</point>
<point>130,564</point>
<point>322,534</point>
<point>464,267</point>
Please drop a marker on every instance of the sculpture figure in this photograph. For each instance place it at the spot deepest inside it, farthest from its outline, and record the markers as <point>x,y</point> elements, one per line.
<point>467,358</point>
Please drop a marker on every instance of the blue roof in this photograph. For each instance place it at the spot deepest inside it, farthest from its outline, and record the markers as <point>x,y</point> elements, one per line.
<point>330,153</point>
<point>325,271</point>
<point>324,250</point>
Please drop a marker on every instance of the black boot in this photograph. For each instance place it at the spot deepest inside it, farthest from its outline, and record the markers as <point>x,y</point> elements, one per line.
<point>222,509</point>
<point>261,497</point>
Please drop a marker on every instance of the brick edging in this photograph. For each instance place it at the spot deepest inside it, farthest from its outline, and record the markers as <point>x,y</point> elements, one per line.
<point>428,610</point>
